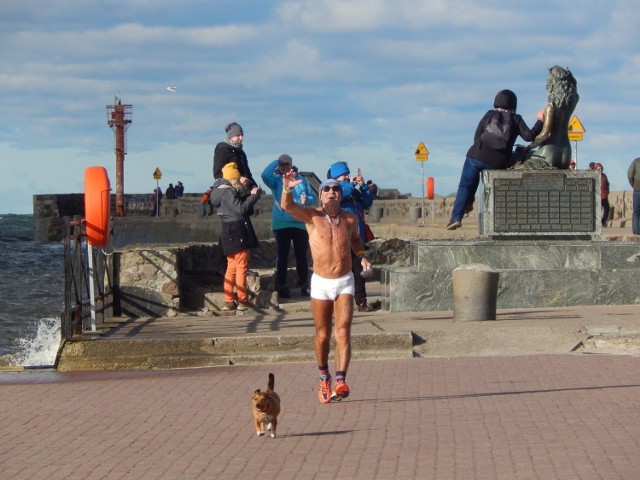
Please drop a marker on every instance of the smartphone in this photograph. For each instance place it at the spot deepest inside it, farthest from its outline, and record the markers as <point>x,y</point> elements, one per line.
<point>359,173</point>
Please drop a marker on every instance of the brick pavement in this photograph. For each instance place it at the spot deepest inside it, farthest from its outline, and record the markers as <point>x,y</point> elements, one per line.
<point>526,417</point>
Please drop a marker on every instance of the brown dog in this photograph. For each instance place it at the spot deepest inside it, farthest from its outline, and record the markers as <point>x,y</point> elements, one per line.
<point>266,408</point>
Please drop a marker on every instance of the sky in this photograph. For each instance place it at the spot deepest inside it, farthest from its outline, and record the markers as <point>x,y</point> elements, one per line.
<point>361,81</point>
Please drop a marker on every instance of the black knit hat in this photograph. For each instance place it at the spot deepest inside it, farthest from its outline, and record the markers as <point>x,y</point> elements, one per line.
<point>506,99</point>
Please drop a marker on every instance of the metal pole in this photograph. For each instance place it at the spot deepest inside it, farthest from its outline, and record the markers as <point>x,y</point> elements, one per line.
<point>92,295</point>
<point>422,213</point>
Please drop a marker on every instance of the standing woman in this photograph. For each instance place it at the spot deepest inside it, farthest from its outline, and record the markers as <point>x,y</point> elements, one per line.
<point>230,150</point>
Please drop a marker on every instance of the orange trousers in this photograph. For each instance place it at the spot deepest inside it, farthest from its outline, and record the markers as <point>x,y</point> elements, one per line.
<point>236,275</point>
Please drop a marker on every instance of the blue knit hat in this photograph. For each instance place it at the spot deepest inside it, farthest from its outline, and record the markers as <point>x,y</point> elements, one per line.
<point>338,169</point>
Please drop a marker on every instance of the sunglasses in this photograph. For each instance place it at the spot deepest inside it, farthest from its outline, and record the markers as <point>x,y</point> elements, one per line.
<point>332,188</point>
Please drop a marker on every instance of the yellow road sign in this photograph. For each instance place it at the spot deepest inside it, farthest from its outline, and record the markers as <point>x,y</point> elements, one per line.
<point>157,174</point>
<point>577,136</point>
<point>422,154</point>
<point>575,126</point>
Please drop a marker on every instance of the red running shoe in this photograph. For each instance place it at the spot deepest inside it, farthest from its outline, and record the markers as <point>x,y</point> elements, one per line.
<point>324,392</point>
<point>341,391</point>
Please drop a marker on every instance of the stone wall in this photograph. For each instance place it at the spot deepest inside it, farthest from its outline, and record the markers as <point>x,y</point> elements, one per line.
<point>169,280</point>
<point>49,211</point>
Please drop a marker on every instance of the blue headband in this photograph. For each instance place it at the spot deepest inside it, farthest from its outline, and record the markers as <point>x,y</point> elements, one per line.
<point>328,183</point>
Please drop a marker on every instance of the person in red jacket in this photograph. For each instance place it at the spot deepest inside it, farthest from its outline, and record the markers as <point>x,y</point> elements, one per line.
<point>604,194</point>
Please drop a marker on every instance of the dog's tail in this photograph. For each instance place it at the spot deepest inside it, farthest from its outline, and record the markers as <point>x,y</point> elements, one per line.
<point>272,382</point>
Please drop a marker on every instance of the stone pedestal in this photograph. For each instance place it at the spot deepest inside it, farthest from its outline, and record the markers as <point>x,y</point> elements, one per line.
<point>546,272</point>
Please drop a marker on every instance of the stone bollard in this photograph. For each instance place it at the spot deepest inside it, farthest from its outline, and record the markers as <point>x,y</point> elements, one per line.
<point>375,215</point>
<point>475,292</point>
<point>415,214</point>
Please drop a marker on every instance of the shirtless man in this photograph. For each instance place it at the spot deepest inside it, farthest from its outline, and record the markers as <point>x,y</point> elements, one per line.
<point>333,233</point>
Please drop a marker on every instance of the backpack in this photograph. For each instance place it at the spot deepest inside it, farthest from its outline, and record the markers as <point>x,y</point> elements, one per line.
<point>497,132</point>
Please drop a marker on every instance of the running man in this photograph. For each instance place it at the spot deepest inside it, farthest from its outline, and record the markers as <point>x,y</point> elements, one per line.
<point>333,234</point>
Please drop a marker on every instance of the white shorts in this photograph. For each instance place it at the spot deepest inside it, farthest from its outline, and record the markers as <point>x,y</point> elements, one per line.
<point>329,288</point>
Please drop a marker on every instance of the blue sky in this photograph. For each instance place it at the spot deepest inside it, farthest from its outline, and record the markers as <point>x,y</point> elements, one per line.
<point>362,81</point>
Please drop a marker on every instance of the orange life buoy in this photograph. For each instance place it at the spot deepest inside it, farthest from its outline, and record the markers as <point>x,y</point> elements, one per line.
<point>96,205</point>
<point>431,189</point>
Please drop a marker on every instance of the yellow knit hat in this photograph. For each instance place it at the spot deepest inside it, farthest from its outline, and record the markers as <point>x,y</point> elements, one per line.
<point>230,171</point>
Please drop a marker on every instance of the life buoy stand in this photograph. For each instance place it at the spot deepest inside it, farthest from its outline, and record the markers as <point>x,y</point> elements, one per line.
<point>431,189</point>
<point>97,205</point>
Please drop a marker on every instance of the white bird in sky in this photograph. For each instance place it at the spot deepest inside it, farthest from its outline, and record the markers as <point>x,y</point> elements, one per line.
<point>171,89</point>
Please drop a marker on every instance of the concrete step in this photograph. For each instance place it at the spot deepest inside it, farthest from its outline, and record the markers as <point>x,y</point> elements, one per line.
<point>156,353</point>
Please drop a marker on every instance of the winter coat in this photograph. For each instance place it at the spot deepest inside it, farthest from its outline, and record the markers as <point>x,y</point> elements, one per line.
<point>273,179</point>
<point>515,126</point>
<point>356,199</point>
<point>226,153</point>
<point>234,208</point>
<point>633,175</point>
<point>604,186</point>
<point>504,116</point>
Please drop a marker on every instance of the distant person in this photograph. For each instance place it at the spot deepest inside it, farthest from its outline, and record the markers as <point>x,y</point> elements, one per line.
<point>206,208</point>
<point>373,188</point>
<point>287,229</point>
<point>156,201</point>
<point>234,203</point>
<point>572,165</point>
<point>492,149</point>
<point>179,189</point>
<point>633,175</point>
<point>592,166</point>
<point>333,236</point>
<point>604,194</point>
<point>356,199</point>
<point>230,150</point>
<point>170,192</point>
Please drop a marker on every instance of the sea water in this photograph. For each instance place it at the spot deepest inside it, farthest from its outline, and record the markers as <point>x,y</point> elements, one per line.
<point>31,294</point>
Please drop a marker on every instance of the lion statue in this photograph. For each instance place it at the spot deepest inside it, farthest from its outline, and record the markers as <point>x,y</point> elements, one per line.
<point>551,148</point>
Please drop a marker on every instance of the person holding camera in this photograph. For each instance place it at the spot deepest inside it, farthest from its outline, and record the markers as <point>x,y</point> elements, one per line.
<point>356,199</point>
<point>286,228</point>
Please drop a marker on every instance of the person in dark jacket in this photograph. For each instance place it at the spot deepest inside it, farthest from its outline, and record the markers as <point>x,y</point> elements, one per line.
<point>170,193</point>
<point>604,194</point>
<point>179,189</point>
<point>234,203</point>
<point>633,175</point>
<point>356,199</point>
<point>492,149</point>
<point>230,150</point>
<point>156,201</point>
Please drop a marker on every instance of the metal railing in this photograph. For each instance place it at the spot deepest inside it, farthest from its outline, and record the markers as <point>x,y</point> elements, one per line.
<point>88,278</point>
